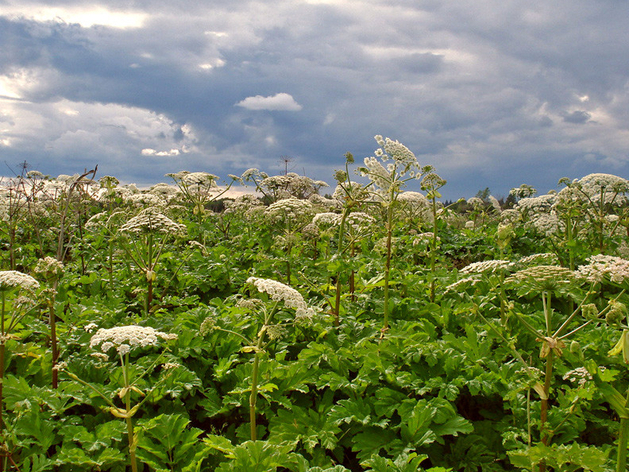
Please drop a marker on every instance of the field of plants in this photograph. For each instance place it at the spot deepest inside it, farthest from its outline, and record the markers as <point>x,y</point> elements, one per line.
<point>360,326</point>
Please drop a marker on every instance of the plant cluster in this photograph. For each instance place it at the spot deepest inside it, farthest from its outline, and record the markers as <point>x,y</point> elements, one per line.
<point>375,328</point>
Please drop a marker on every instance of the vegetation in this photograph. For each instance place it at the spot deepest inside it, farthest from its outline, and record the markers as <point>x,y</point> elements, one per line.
<point>377,329</point>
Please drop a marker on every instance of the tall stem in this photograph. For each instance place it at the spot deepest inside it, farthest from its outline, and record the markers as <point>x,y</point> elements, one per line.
<point>433,248</point>
<point>253,397</point>
<point>387,266</point>
<point>128,418</point>
<point>621,458</point>
<point>53,337</point>
<point>150,273</point>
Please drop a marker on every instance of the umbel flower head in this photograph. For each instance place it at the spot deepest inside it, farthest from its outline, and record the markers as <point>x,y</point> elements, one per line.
<point>12,279</point>
<point>543,278</point>
<point>128,338</point>
<point>151,220</point>
<point>290,209</point>
<point>49,267</point>
<point>601,267</point>
<point>403,162</point>
<point>281,292</point>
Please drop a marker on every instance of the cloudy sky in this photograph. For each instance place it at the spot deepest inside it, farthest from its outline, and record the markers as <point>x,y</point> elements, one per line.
<point>492,93</point>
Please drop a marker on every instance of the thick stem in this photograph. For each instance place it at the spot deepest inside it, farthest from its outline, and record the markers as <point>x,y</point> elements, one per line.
<point>128,419</point>
<point>337,300</point>
<point>544,407</point>
<point>254,396</point>
<point>132,445</point>
<point>433,248</point>
<point>53,343</point>
<point>387,266</point>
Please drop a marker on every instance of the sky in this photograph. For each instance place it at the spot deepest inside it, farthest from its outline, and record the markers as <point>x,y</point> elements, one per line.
<point>492,93</point>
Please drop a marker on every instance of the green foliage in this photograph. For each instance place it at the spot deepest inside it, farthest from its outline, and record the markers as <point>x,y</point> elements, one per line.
<point>456,379</point>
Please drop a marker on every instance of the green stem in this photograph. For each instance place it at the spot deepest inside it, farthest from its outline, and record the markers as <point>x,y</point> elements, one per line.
<point>387,266</point>
<point>254,396</point>
<point>128,419</point>
<point>544,406</point>
<point>621,458</point>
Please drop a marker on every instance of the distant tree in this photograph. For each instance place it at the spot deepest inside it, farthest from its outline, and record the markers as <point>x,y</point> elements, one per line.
<point>484,194</point>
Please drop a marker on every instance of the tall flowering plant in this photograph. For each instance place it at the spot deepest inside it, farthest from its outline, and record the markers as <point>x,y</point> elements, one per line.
<point>127,344</point>
<point>15,304</point>
<point>275,299</point>
<point>292,214</point>
<point>146,236</point>
<point>391,167</point>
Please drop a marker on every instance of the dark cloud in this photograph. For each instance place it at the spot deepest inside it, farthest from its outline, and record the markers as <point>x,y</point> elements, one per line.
<point>577,117</point>
<point>489,93</point>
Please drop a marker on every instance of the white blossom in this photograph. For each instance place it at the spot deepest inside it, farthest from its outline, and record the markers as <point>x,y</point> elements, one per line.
<point>128,338</point>
<point>281,292</point>
<point>10,279</point>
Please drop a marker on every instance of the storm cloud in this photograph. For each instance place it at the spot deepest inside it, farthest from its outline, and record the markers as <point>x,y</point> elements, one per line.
<point>492,94</point>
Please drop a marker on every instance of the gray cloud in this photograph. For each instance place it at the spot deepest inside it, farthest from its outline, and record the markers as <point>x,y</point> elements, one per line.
<point>577,117</point>
<point>488,92</point>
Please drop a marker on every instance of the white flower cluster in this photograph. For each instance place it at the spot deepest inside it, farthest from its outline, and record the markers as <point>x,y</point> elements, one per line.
<point>243,204</point>
<point>10,279</point>
<point>611,188</point>
<point>601,266</point>
<point>360,220</point>
<point>546,223</point>
<point>49,266</point>
<point>321,201</point>
<point>580,375</point>
<point>164,191</point>
<point>486,266</point>
<point>199,180</point>
<point>413,198</point>
<point>144,199</point>
<point>128,338</point>
<point>290,209</point>
<point>510,215</point>
<point>252,173</point>
<point>476,202</point>
<point>376,172</point>
<point>544,258</point>
<point>281,292</point>
<point>149,220</point>
<point>543,203</point>
<point>402,155</point>
<point>327,220</point>
<point>543,278</point>
<point>290,185</point>
<point>464,283</point>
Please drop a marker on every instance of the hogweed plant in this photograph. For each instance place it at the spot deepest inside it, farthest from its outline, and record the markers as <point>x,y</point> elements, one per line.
<point>278,307</point>
<point>550,282</point>
<point>199,189</point>
<point>351,229</point>
<point>385,186</point>
<point>51,270</point>
<point>588,202</point>
<point>601,269</point>
<point>148,232</point>
<point>431,183</point>
<point>350,226</point>
<point>127,344</point>
<point>15,289</point>
<point>293,215</point>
